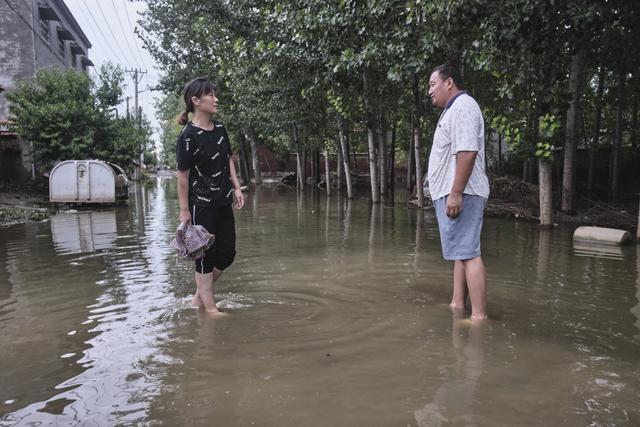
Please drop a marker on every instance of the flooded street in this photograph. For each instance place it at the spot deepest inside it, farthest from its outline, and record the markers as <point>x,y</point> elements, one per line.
<point>339,317</point>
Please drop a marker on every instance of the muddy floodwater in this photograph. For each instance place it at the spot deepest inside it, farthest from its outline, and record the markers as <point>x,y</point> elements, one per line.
<point>338,317</point>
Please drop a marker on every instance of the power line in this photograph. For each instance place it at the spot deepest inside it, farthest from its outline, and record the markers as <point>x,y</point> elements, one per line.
<point>101,33</point>
<point>115,39</point>
<point>126,39</point>
<point>135,39</point>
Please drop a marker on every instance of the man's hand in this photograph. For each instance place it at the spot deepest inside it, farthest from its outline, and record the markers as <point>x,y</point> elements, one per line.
<point>239,198</point>
<point>185,216</point>
<point>454,204</point>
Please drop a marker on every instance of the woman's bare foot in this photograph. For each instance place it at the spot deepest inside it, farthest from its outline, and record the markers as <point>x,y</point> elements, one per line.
<point>216,314</point>
<point>196,301</point>
<point>479,317</point>
<point>456,306</point>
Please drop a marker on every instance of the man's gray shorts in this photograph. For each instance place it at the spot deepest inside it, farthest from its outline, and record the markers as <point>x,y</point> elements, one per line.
<point>460,236</point>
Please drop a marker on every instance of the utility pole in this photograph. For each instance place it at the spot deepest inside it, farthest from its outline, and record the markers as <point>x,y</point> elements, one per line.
<point>137,77</point>
<point>128,116</point>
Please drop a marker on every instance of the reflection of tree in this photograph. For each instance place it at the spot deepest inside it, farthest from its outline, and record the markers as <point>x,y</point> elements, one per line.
<point>327,220</point>
<point>346,221</point>
<point>453,401</point>
<point>43,303</point>
<point>374,214</point>
<point>418,237</point>
<point>636,310</point>
<point>544,254</point>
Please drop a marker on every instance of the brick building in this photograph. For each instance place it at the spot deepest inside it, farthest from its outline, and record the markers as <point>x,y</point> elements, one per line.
<point>34,34</point>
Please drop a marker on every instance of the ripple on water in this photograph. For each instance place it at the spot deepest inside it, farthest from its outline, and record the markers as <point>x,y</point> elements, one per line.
<point>300,310</point>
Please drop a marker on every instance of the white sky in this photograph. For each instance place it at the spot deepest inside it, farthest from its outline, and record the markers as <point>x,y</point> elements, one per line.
<point>109,26</point>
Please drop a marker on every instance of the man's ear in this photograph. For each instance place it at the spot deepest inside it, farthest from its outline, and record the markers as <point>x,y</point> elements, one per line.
<point>450,83</point>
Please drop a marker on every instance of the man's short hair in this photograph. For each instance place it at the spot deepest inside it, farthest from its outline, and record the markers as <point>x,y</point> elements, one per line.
<point>447,70</point>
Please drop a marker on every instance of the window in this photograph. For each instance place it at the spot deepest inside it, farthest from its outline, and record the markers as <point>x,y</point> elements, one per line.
<point>44,29</point>
<point>61,46</point>
<point>73,60</point>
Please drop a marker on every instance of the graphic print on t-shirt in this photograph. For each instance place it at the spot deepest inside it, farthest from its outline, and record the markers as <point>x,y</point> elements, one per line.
<point>205,153</point>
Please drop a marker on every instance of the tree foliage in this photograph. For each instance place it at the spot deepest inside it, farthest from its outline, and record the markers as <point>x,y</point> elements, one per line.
<point>286,65</point>
<point>66,115</point>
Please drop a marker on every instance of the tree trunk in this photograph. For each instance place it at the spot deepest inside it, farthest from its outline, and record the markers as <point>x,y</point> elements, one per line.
<point>595,136</point>
<point>617,139</point>
<point>327,171</point>
<point>417,143</point>
<point>344,147</point>
<point>546,199</point>
<point>392,165</point>
<point>569,173</point>
<point>300,160</point>
<point>410,161</point>
<point>339,167</point>
<point>499,154</point>
<point>316,155</point>
<point>305,168</point>
<point>638,230</point>
<point>634,121</point>
<point>299,167</point>
<point>255,161</point>
<point>355,156</point>
<point>373,170</point>
<point>244,170</point>
<point>382,159</point>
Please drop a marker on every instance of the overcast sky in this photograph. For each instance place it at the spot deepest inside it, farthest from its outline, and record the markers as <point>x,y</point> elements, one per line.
<point>109,26</point>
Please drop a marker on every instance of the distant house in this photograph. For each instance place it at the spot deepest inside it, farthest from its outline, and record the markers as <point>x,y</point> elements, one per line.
<point>34,34</point>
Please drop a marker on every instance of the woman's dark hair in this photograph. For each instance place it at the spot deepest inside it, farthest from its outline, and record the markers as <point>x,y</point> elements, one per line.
<point>196,87</point>
<point>448,70</point>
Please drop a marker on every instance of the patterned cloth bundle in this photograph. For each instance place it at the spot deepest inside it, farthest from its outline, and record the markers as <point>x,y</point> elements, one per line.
<point>192,241</point>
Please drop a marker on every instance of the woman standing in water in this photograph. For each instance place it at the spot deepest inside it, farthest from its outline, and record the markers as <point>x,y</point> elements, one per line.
<point>207,185</point>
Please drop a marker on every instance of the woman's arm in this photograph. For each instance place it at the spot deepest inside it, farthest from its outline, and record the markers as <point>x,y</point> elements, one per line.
<point>237,192</point>
<point>183,196</point>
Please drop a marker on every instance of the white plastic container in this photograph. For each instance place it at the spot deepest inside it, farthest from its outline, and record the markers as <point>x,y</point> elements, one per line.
<point>87,181</point>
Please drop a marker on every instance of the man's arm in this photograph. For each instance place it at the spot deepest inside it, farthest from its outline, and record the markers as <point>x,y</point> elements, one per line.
<point>465,160</point>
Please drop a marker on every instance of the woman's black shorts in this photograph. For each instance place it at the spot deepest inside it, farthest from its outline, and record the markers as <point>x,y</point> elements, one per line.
<point>220,222</point>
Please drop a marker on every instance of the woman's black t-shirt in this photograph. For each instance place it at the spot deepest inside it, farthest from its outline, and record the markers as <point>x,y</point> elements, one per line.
<point>205,153</point>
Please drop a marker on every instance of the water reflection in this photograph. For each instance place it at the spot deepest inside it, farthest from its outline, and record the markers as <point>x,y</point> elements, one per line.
<point>117,329</point>
<point>77,232</point>
<point>453,402</point>
<point>598,250</point>
<point>339,317</point>
<point>636,309</point>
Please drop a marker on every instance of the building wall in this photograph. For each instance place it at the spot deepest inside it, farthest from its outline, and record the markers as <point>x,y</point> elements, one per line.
<point>17,58</point>
<point>30,41</point>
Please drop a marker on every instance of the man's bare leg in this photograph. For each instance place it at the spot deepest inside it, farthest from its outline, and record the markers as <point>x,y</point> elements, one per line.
<point>459,286</point>
<point>477,282</point>
<point>204,291</point>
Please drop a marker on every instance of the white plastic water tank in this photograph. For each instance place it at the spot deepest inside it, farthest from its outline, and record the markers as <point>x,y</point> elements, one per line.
<point>87,181</point>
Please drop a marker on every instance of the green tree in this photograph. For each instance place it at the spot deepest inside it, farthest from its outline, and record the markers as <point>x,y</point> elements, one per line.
<point>167,109</point>
<point>68,116</point>
<point>55,111</point>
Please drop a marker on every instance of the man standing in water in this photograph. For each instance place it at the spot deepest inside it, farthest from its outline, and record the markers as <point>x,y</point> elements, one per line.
<point>459,186</point>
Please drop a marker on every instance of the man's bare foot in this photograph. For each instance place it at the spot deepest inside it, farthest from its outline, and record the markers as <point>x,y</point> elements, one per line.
<point>456,306</point>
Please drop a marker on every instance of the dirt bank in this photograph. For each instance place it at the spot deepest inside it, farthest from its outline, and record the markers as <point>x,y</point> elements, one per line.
<point>24,203</point>
<point>514,198</point>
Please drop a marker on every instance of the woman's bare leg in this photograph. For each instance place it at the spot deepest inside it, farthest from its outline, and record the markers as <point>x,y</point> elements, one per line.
<point>204,291</point>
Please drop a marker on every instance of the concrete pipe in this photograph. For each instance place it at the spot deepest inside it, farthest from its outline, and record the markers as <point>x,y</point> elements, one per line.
<point>602,235</point>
